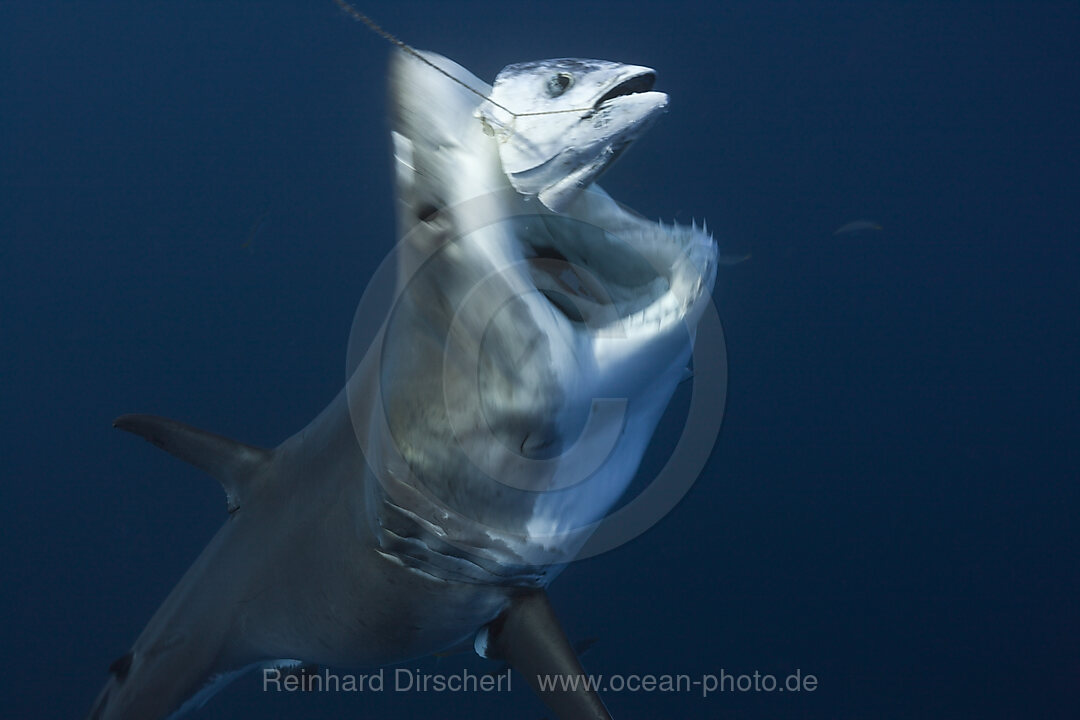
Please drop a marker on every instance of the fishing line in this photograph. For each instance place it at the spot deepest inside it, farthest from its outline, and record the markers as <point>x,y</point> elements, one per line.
<point>393,40</point>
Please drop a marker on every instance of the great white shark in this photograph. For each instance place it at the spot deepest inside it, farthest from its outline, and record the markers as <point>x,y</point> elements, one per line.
<point>536,334</point>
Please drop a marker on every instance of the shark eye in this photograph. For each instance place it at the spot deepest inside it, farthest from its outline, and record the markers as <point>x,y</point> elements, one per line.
<point>557,84</point>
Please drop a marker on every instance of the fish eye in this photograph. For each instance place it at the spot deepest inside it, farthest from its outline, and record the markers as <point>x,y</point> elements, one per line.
<point>557,84</point>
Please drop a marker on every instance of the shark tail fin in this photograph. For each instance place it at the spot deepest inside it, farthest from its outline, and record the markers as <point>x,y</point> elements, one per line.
<point>234,464</point>
<point>529,637</point>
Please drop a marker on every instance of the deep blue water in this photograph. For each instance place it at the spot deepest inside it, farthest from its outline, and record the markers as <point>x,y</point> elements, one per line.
<point>192,196</point>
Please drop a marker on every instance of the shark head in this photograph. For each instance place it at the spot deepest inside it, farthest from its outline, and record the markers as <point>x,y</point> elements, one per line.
<point>530,353</point>
<point>560,123</point>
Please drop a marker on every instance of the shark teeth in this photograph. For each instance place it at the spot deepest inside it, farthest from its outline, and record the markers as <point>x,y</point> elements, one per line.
<point>691,270</point>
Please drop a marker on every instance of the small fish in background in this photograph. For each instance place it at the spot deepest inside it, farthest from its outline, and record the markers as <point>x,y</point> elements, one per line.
<point>857,226</point>
<point>733,258</point>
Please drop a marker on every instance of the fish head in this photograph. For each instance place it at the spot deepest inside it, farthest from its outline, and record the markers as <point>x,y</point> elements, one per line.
<point>561,122</point>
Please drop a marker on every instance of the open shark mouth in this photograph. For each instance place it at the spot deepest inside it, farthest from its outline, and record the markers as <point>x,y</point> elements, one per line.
<point>618,271</point>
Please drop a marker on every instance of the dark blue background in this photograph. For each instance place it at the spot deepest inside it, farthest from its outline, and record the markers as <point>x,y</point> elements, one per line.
<point>892,504</point>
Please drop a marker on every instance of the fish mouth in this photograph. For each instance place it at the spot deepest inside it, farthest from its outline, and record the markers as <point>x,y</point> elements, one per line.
<point>636,84</point>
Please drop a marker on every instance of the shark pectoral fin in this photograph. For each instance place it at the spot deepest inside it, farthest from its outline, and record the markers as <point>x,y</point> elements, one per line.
<point>528,637</point>
<point>233,464</point>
